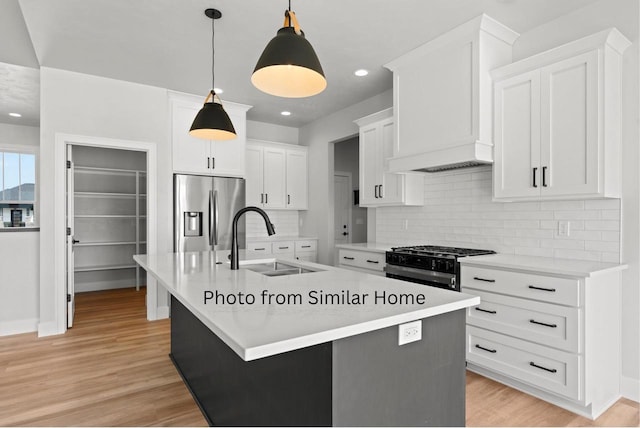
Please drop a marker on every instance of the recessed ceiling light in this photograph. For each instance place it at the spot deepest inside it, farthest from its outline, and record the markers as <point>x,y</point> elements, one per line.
<point>15,115</point>
<point>361,73</point>
<point>218,90</point>
<point>285,113</point>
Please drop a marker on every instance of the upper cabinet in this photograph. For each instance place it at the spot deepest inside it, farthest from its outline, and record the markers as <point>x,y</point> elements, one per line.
<point>557,122</point>
<point>443,97</point>
<point>378,186</point>
<point>196,156</point>
<point>277,175</point>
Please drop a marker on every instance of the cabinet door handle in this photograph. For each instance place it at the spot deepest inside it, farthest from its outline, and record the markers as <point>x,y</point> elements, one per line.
<point>535,170</point>
<point>477,278</point>
<point>543,323</point>
<point>266,198</point>
<point>544,176</point>
<point>262,198</point>
<point>288,199</point>
<point>373,261</point>
<point>259,249</point>
<point>375,191</point>
<point>213,163</point>
<point>532,364</point>
<point>348,258</point>
<point>551,290</point>
<point>493,351</point>
<point>208,162</point>
<point>380,192</point>
<point>306,246</point>
<point>485,310</point>
<point>283,248</point>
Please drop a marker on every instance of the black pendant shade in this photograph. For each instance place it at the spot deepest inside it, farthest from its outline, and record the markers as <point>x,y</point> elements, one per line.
<point>212,122</point>
<point>289,67</point>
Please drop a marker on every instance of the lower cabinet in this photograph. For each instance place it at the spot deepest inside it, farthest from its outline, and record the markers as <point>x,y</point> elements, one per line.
<point>300,249</point>
<point>554,336</point>
<point>362,261</point>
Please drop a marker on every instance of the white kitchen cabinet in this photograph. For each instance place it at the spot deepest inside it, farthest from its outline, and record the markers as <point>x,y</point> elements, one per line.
<point>378,186</point>
<point>197,156</point>
<point>557,122</point>
<point>443,95</point>
<point>362,260</point>
<point>277,175</point>
<point>292,248</point>
<point>546,328</point>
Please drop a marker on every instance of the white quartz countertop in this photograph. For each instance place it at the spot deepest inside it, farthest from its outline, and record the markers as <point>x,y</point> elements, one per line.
<point>375,247</point>
<point>549,265</point>
<point>262,329</point>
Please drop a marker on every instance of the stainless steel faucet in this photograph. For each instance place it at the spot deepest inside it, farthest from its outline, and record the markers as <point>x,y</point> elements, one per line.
<point>234,229</point>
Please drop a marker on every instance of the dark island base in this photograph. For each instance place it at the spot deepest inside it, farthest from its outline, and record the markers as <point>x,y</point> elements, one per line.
<point>364,380</point>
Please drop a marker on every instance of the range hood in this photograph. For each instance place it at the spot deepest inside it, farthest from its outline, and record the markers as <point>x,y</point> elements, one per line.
<point>443,98</point>
<point>445,158</point>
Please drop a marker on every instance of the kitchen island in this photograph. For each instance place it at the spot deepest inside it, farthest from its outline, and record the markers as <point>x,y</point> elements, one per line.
<point>318,348</point>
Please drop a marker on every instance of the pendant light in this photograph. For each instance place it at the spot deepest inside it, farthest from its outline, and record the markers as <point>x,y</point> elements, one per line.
<point>212,122</point>
<point>289,67</point>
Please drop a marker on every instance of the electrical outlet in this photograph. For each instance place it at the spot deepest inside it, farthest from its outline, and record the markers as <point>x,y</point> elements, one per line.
<point>563,228</point>
<point>409,332</point>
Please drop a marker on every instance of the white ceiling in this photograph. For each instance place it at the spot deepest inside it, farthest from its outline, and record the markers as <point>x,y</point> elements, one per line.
<point>167,43</point>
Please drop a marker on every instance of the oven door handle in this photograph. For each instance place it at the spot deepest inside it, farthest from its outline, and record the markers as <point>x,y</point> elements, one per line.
<point>448,279</point>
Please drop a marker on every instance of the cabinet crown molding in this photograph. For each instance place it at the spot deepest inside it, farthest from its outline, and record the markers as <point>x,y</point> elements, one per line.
<point>372,118</point>
<point>610,37</point>
<point>482,23</point>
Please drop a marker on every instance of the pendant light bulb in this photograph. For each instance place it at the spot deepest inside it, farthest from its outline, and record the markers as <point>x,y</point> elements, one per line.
<point>288,66</point>
<point>212,122</point>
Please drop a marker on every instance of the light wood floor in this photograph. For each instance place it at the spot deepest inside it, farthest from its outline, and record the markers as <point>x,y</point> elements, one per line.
<point>112,369</point>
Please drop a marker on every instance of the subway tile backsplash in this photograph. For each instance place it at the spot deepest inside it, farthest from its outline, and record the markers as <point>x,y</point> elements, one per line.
<point>458,211</point>
<point>285,223</point>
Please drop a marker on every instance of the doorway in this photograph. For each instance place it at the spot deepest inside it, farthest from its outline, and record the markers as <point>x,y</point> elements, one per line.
<point>342,207</point>
<point>156,305</point>
<point>106,190</point>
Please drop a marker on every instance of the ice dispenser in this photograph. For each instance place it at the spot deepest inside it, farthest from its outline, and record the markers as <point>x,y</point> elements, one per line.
<point>193,223</point>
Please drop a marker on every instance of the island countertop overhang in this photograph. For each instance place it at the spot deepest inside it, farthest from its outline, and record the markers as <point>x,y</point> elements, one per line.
<point>263,329</point>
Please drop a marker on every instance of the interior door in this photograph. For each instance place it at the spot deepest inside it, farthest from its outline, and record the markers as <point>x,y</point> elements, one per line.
<point>342,209</point>
<point>70,239</point>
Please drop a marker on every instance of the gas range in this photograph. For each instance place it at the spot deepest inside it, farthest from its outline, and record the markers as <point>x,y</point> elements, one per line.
<point>428,264</point>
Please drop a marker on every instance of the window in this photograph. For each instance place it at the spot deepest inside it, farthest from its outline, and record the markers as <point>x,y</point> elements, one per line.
<point>17,188</point>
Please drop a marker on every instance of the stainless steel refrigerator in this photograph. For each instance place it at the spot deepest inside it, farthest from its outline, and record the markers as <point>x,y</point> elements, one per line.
<point>203,212</point>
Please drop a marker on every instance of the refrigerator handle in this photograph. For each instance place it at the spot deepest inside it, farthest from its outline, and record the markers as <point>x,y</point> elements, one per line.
<point>215,217</point>
<point>211,218</point>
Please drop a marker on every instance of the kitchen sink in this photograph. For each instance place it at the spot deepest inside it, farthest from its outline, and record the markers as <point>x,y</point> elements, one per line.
<point>277,268</point>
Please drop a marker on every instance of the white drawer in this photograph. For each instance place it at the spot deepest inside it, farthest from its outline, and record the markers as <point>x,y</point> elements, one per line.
<point>362,259</point>
<point>543,323</point>
<point>551,289</point>
<point>553,370</point>
<point>282,247</point>
<point>259,247</point>
<point>306,246</point>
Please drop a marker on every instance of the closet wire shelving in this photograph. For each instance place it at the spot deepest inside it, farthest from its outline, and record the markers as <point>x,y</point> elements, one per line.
<point>138,218</point>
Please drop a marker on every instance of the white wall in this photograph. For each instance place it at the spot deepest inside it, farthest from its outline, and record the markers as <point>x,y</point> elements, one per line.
<point>319,135</point>
<point>80,104</point>
<point>19,254</point>
<point>271,132</point>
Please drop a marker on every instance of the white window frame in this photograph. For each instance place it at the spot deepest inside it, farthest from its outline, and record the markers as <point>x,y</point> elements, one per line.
<point>30,150</point>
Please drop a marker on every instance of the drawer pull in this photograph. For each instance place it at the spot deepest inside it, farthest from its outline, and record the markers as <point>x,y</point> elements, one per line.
<point>533,287</point>
<point>532,364</point>
<point>483,279</point>
<point>283,248</point>
<point>487,311</point>
<point>260,249</point>
<point>373,261</point>
<point>543,323</point>
<point>306,246</point>
<point>493,351</point>
<point>348,258</point>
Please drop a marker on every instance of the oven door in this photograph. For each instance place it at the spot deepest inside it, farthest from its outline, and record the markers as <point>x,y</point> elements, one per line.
<point>422,276</point>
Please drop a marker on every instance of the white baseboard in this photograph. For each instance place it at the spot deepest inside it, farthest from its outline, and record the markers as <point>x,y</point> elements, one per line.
<point>630,388</point>
<point>162,312</point>
<point>48,328</point>
<point>8,328</point>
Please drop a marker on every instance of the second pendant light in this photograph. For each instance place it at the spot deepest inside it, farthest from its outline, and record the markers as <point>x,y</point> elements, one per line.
<point>289,67</point>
